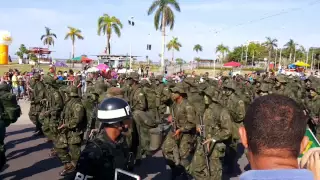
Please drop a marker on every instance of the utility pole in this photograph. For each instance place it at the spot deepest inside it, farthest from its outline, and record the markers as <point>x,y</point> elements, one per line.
<point>280,57</point>
<point>131,23</point>
<point>275,59</point>
<point>312,59</point>
<point>242,53</point>
<point>247,52</point>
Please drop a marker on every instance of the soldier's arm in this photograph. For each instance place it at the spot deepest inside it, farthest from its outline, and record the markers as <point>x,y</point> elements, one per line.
<point>142,105</point>
<point>40,94</point>
<point>87,165</point>
<point>191,119</point>
<point>77,118</point>
<point>240,110</point>
<point>223,131</point>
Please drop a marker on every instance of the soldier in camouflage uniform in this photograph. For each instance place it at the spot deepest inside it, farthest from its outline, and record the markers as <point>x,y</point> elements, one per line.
<point>54,106</point>
<point>194,96</point>
<point>179,144</point>
<point>281,88</point>
<point>313,105</point>
<point>32,115</point>
<point>237,108</point>
<point>217,127</point>
<point>38,94</point>
<point>138,104</point>
<point>163,96</point>
<point>263,91</point>
<point>68,143</point>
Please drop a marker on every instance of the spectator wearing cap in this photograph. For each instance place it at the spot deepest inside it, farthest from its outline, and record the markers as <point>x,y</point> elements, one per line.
<point>273,134</point>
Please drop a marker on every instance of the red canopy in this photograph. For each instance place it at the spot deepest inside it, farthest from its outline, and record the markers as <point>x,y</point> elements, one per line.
<point>86,60</point>
<point>232,64</point>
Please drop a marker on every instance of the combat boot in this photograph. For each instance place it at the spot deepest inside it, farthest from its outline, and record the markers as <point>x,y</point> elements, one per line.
<point>67,169</point>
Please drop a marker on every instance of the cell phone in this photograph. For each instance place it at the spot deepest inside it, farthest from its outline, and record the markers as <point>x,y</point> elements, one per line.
<point>125,175</point>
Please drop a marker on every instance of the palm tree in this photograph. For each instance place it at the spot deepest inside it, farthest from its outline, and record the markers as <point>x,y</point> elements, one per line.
<point>180,61</point>
<point>107,24</point>
<point>48,37</point>
<point>222,50</point>
<point>270,45</point>
<point>163,17</point>
<point>73,34</point>
<point>291,47</point>
<point>174,45</point>
<point>197,48</point>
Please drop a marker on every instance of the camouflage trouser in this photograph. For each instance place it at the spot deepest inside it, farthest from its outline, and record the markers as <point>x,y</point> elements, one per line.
<point>2,148</point>
<point>198,167</point>
<point>49,129</point>
<point>68,147</point>
<point>185,149</point>
<point>34,117</point>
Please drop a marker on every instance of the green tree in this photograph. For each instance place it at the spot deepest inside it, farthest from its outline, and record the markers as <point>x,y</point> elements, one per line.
<point>73,34</point>
<point>106,25</point>
<point>197,48</point>
<point>270,45</point>
<point>223,50</point>
<point>291,47</point>
<point>22,51</point>
<point>173,45</point>
<point>48,37</point>
<point>180,62</point>
<point>235,54</point>
<point>163,17</point>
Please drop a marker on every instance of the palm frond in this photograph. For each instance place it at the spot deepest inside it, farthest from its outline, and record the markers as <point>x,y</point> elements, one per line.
<point>175,4</point>
<point>67,36</point>
<point>157,19</point>
<point>116,29</point>
<point>153,7</point>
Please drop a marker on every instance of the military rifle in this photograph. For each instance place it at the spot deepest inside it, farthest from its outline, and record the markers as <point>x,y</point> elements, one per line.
<point>176,154</point>
<point>202,139</point>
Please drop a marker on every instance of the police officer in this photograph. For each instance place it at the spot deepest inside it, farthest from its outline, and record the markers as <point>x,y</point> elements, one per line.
<point>108,150</point>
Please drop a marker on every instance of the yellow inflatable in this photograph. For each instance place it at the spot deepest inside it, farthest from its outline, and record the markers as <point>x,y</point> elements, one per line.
<point>5,41</point>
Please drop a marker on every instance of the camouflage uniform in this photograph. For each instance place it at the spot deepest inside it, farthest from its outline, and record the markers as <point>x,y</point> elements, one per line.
<point>69,139</point>
<point>314,108</point>
<point>282,89</point>
<point>38,94</point>
<point>217,127</point>
<point>178,150</point>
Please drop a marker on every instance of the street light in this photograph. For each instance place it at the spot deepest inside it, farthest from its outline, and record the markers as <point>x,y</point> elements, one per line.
<point>131,23</point>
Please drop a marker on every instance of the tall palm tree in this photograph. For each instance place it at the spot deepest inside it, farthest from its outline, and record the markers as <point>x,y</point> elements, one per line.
<point>197,48</point>
<point>270,45</point>
<point>174,45</point>
<point>48,37</point>
<point>291,47</point>
<point>73,34</point>
<point>106,25</point>
<point>163,17</point>
<point>223,50</point>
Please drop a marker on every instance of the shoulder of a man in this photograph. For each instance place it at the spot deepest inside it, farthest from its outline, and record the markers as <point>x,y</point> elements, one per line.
<point>283,174</point>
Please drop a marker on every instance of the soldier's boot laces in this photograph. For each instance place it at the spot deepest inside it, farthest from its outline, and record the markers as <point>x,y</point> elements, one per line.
<point>52,153</point>
<point>68,168</point>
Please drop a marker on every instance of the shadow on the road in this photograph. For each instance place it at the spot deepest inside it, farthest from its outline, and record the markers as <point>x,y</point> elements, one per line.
<point>24,152</point>
<point>20,131</point>
<point>39,167</point>
<point>11,144</point>
<point>153,165</point>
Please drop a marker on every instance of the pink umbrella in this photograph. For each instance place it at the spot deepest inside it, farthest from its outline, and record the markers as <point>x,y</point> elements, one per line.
<point>102,67</point>
<point>232,64</point>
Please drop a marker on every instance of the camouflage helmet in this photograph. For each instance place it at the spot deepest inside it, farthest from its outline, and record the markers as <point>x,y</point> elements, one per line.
<point>48,80</point>
<point>159,78</point>
<point>73,91</point>
<point>144,82</point>
<point>89,79</point>
<point>114,82</point>
<point>115,92</point>
<point>212,92</point>
<point>4,87</point>
<point>37,76</point>
<point>230,85</point>
<point>281,79</point>
<point>264,87</point>
<point>179,88</point>
<point>134,76</point>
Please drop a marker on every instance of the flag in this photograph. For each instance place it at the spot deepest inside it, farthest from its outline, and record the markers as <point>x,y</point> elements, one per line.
<point>313,142</point>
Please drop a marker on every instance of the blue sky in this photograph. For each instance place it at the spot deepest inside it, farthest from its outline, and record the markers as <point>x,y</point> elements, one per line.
<point>196,23</point>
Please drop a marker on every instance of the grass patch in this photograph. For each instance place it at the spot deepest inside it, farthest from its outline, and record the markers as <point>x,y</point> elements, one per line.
<point>26,67</point>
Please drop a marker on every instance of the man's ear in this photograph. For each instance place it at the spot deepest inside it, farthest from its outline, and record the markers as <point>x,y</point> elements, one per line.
<point>304,144</point>
<point>243,136</point>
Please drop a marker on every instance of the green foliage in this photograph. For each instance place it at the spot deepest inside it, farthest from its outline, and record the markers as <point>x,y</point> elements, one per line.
<point>163,13</point>
<point>48,37</point>
<point>33,57</point>
<point>22,51</point>
<point>197,48</point>
<point>174,44</point>
<point>74,34</point>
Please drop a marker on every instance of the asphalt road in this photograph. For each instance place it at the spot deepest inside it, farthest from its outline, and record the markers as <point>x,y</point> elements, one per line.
<point>28,156</point>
